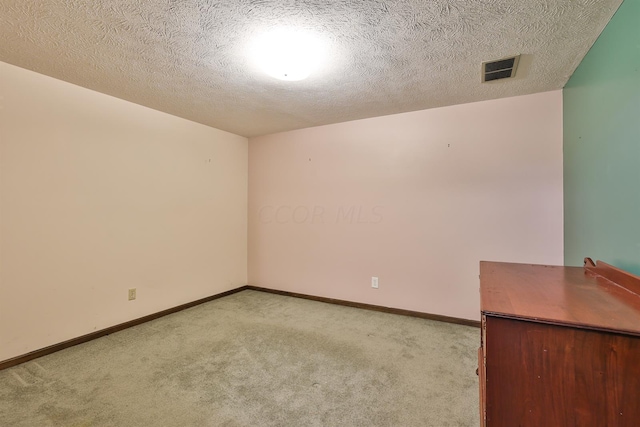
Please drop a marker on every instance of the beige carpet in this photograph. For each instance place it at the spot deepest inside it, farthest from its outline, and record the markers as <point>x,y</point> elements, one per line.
<point>255,359</point>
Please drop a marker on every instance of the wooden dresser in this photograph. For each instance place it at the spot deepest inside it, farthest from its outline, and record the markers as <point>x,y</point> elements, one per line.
<point>560,346</point>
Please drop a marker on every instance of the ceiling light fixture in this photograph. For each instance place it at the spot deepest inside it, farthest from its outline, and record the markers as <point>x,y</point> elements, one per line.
<point>288,54</point>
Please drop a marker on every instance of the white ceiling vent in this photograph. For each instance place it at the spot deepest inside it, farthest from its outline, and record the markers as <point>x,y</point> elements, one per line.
<point>504,68</point>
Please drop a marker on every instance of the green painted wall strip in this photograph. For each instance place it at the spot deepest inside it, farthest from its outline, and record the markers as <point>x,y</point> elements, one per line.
<point>602,147</point>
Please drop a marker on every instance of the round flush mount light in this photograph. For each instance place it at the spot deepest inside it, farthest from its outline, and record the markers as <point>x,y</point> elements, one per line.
<point>288,54</point>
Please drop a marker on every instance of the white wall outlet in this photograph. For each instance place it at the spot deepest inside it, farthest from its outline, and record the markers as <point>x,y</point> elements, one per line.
<point>374,282</point>
<point>132,294</point>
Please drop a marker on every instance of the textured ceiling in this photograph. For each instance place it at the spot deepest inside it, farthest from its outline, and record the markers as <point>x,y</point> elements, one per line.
<point>188,57</point>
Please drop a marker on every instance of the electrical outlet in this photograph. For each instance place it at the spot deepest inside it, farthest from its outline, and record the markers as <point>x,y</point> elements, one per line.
<point>132,294</point>
<point>374,282</point>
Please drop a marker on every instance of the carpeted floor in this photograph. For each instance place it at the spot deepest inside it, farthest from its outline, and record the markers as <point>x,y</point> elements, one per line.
<point>255,359</point>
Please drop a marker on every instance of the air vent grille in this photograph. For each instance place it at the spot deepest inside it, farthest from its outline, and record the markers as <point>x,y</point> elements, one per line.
<point>500,69</point>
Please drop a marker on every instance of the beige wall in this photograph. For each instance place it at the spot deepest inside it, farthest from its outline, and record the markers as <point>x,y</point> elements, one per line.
<point>417,199</point>
<point>99,195</point>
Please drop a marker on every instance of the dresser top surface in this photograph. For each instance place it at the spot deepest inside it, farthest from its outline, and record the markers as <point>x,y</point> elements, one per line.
<point>570,296</point>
